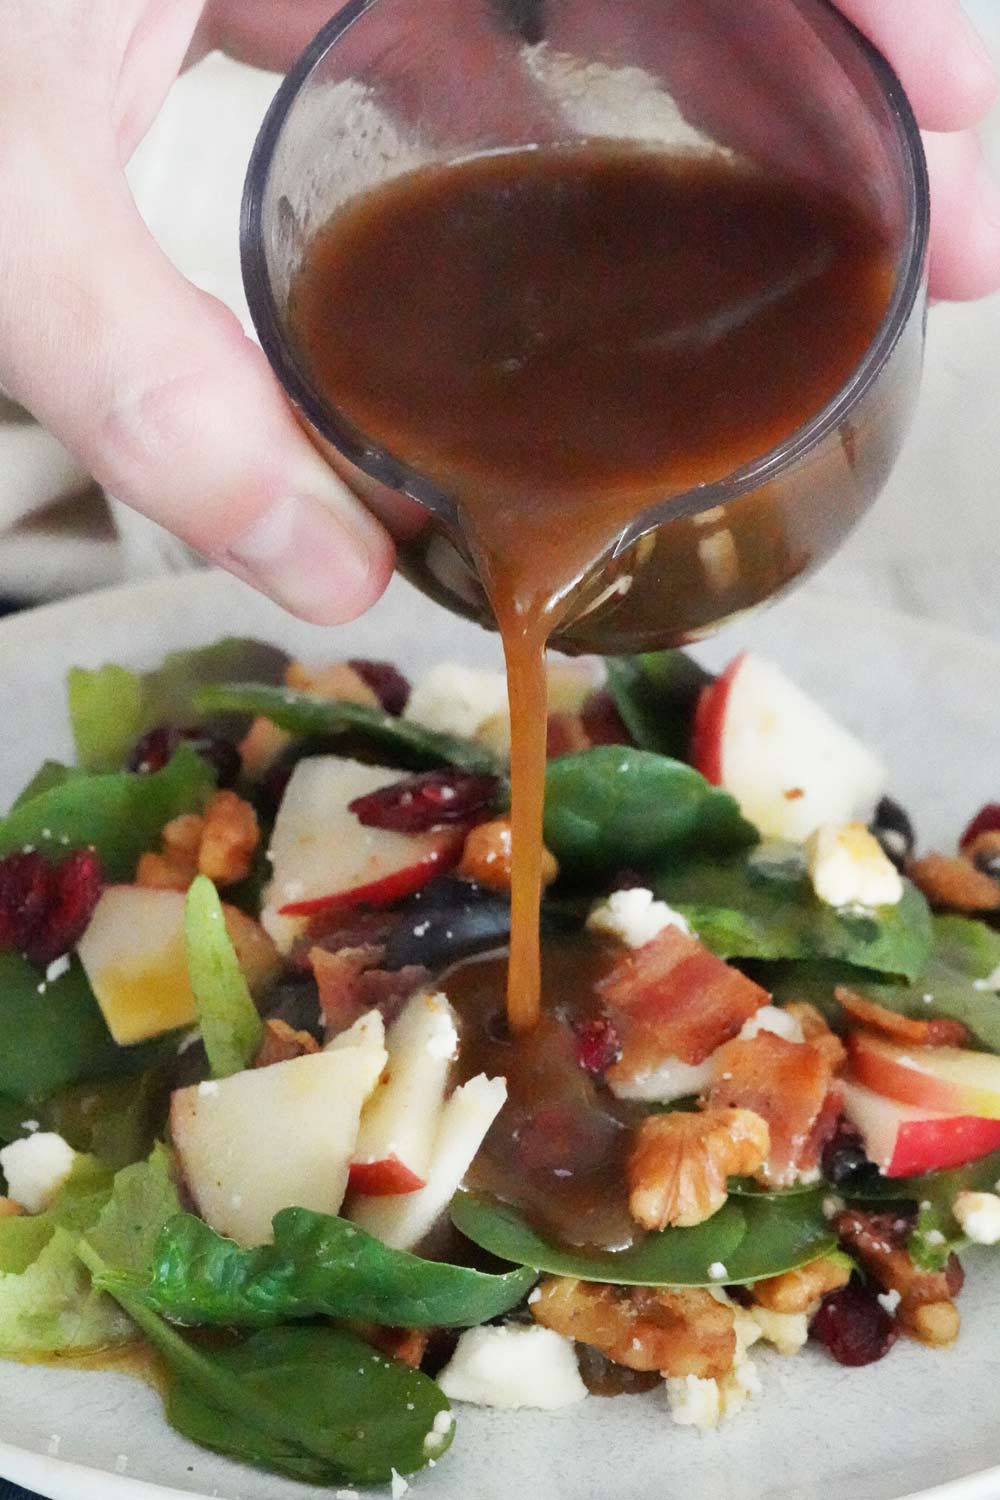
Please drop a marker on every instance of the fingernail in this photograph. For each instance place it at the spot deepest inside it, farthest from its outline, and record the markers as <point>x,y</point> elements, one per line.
<point>305,558</point>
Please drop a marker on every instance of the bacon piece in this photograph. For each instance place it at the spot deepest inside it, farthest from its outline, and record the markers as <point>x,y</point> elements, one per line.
<point>938,1032</point>
<point>787,1083</point>
<point>351,983</point>
<point>564,733</point>
<point>676,1000</point>
<point>817,1033</point>
<point>926,1308</point>
<point>408,1345</point>
<point>281,1043</point>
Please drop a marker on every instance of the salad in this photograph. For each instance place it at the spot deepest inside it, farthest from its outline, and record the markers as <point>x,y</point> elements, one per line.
<point>261,1109</point>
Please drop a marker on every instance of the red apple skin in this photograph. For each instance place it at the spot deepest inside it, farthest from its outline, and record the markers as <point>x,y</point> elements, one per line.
<point>880,1066</point>
<point>383,1179</point>
<point>391,888</point>
<point>933,1145</point>
<point>709,719</point>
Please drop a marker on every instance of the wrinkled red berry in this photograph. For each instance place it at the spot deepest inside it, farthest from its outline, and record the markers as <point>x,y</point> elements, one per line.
<point>844,1159</point>
<point>602,722</point>
<point>987,820</point>
<point>598,1045</point>
<point>45,909</point>
<point>157,748</point>
<point>854,1327</point>
<point>387,683</point>
<point>426,801</point>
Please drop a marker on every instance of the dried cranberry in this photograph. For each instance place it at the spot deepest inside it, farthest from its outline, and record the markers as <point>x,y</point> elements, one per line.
<point>157,748</point>
<point>844,1160</point>
<point>45,909</point>
<point>854,1327</point>
<point>426,801</point>
<point>598,1045</point>
<point>602,722</point>
<point>387,683</point>
<point>987,820</point>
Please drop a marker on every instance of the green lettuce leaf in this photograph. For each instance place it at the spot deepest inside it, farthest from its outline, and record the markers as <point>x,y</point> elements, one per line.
<point>752,1238</point>
<point>615,806</point>
<point>112,707</point>
<point>401,741</point>
<point>656,695</point>
<point>117,1120</point>
<point>51,773</point>
<point>120,815</point>
<point>318,1266</point>
<point>744,907</point>
<point>231,1029</point>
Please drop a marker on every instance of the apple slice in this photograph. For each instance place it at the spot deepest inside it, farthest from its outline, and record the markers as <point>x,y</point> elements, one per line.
<point>322,858</point>
<point>404,1220</point>
<point>787,763</point>
<point>278,1137</point>
<point>135,959</point>
<point>401,1118</point>
<point>905,1141</point>
<point>949,1079</point>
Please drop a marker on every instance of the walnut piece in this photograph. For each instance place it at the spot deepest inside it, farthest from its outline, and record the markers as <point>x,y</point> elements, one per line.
<point>337,681</point>
<point>676,1330</point>
<point>954,884</point>
<point>796,1291</point>
<point>680,1164</point>
<point>924,1295</point>
<point>220,843</point>
<point>486,857</point>
<point>281,1043</point>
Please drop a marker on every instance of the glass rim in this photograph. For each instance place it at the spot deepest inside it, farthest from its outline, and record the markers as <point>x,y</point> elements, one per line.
<point>386,469</point>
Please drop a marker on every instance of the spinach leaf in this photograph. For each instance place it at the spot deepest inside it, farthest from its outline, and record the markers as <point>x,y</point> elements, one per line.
<point>740,910</point>
<point>617,806</point>
<point>964,952</point>
<point>230,1026</point>
<point>938,1233</point>
<point>120,814</point>
<point>52,1033</point>
<point>656,695</point>
<point>405,743</point>
<point>752,1239</point>
<point>47,1304</point>
<point>118,1120</point>
<point>318,1265</point>
<point>112,707</point>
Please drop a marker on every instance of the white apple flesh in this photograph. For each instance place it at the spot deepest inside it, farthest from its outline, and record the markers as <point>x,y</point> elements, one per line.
<point>273,1138</point>
<point>905,1140</point>
<point>789,765</point>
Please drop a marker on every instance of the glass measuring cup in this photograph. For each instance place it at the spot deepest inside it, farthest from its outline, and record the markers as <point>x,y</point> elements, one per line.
<point>787,85</point>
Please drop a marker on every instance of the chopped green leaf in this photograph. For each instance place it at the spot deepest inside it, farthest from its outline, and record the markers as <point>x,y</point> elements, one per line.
<point>230,1026</point>
<point>318,1266</point>
<point>51,773</point>
<point>656,695</point>
<point>120,814</point>
<point>614,805</point>
<point>753,1238</point>
<point>143,1199</point>
<point>405,743</point>
<point>112,707</point>
<point>117,1120</point>
<point>742,910</point>
<point>938,1233</point>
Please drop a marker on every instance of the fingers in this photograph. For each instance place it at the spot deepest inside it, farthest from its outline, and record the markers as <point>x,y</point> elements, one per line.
<point>154,386</point>
<point>940,58</point>
<point>965,222</point>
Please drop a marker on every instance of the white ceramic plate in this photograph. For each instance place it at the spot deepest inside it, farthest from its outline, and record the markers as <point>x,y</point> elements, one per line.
<point>919,1423</point>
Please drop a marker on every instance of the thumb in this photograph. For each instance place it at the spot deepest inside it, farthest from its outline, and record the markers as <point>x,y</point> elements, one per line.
<point>158,391</point>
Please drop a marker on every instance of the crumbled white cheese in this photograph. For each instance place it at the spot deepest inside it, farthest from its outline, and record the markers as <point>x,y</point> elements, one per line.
<point>634,918</point>
<point>717,1271</point>
<point>889,1301</point>
<point>991,982</point>
<point>979,1216</point>
<point>513,1365</point>
<point>747,1330</point>
<point>772,1018</point>
<point>440,1428</point>
<point>36,1168</point>
<point>398,1487</point>
<point>848,867</point>
<point>694,1402</point>
<point>207,1087</point>
<point>455,699</point>
<point>935,1238</point>
<point>736,1388</point>
<point>57,968</point>
<point>671,1080</point>
<point>786,1332</point>
<point>832,1205</point>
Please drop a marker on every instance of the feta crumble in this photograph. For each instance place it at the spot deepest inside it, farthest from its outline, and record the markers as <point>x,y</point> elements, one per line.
<point>57,968</point>
<point>634,917</point>
<point>786,1332</point>
<point>36,1169</point>
<point>717,1271</point>
<point>694,1402</point>
<point>849,868</point>
<point>772,1018</point>
<point>398,1487</point>
<point>672,1079</point>
<point>513,1365</point>
<point>455,699</point>
<point>889,1301</point>
<point>979,1216</point>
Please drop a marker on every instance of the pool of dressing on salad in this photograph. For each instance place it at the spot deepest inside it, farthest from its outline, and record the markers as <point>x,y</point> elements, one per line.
<point>560,337</point>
